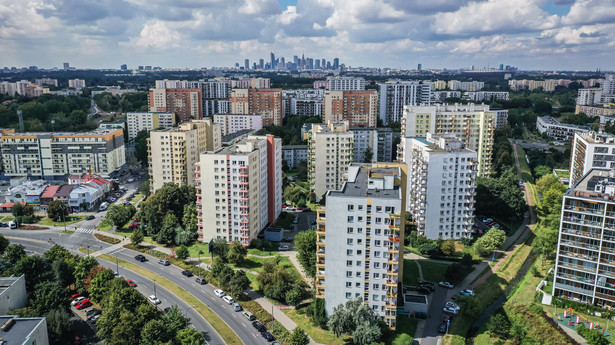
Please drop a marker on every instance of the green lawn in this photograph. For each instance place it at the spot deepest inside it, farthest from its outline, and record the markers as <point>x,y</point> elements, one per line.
<point>318,334</point>
<point>433,271</point>
<point>285,221</point>
<point>405,325</point>
<point>411,272</point>
<point>526,172</point>
<point>67,232</point>
<point>105,225</point>
<point>69,220</point>
<point>136,199</point>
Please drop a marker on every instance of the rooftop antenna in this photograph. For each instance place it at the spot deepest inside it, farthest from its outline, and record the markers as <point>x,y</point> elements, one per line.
<point>20,114</point>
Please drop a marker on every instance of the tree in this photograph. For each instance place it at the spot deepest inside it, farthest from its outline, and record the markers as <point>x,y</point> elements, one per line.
<point>82,269</point>
<point>366,333</point>
<point>59,325</point>
<point>58,252</point>
<point>274,280</point>
<point>141,146</point>
<point>155,332</point>
<point>239,283</point>
<point>305,244</point>
<point>357,319</point>
<point>368,155</point>
<point>489,241</point>
<point>168,199</point>
<point>189,220</point>
<point>62,273</point>
<point>144,188</point>
<point>299,337</point>
<point>184,236</point>
<point>137,237</point>
<point>236,253</point>
<point>35,268</point>
<point>182,252</point>
<point>14,253</point>
<point>294,296</point>
<point>120,214</point>
<point>23,213</point>
<point>47,296</point>
<point>499,325</point>
<point>98,286</point>
<point>4,243</point>
<point>448,247</point>
<point>168,229</point>
<point>57,210</point>
<point>175,321</point>
<point>189,336</point>
<point>220,248</point>
<point>319,314</point>
<point>541,170</point>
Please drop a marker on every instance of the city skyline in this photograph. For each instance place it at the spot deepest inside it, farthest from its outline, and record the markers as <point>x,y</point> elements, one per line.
<point>531,34</point>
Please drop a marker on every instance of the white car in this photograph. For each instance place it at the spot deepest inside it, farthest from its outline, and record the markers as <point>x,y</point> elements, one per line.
<point>228,299</point>
<point>450,311</point>
<point>131,180</point>
<point>284,248</point>
<point>446,285</point>
<point>219,293</point>
<point>452,305</point>
<point>467,292</point>
<point>77,300</point>
<point>153,299</point>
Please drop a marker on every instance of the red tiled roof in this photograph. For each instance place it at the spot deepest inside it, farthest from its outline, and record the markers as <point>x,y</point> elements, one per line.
<point>49,192</point>
<point>11,204</point>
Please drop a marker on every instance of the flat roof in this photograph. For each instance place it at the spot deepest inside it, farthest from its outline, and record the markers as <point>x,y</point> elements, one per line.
<point>22,328</point>
<point>358,188</point>
<point>585,186</point>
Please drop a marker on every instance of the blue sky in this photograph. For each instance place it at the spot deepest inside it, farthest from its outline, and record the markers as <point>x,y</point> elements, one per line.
<point>530,34</point>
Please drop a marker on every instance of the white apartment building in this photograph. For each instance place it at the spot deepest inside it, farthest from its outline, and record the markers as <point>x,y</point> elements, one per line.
<point>239,189</point>
<point>584,269</point>
<point>501,117</point>
<point>303,102</point>
<point>294,154</point>
<point>589,97</point>
<point>54,155</point>
<point>441,174</point>
<point>396,94</point>
<point>360,240</point>
<point>608,85</point>
<point>440,96</point>
<point>137,122</point>
<point>473,124</point>
<point>591,150</point>
<point>330,152</point>
<point>172,152</point>
<point>76,83</point>
<point>466,85</point>
<point>232,123</point>
<point>486,95</point>
<point>557,130</point>
<point>377,140</point>
<point>346,84</point>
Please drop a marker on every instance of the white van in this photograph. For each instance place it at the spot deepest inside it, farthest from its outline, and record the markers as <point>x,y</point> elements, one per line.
<point>103,206</point>
<point>12,225</point>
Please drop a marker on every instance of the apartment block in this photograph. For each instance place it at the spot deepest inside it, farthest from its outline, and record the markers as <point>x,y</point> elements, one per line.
<point>330,152</point>
<point>595,111</point>
<point>172,152</point>
<point>441,96</point>
<point>591,150</point>
<point>266,102</point>
<point>54,155</point>
<point>359,108</point>
<point>378,141</point>
<point>24,330</point>
<point>359,240</point>
<point>584,269</point>
<point>396,94</point>
<point>486,95</point>
<point>137,122</point>
<point>303,102</point>
<point>589,97</point>
<point>76,84</point>
<point>233,123</point>
<point>345,84</point>
<point>466,85</point>
<point>441,174</point>
<point>473,124</point>
<point>24,88</point>
<point>557,130</point>
<point>186,103</point>
<point>239,189</point>
<point>294,155</point>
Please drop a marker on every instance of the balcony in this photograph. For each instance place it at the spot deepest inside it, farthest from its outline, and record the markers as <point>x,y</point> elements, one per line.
<point>573,289</point>
<point>591,210</point>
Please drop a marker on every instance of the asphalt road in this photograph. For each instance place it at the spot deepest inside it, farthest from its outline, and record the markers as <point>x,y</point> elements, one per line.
<point>437,301</point>
<point>36,242</point>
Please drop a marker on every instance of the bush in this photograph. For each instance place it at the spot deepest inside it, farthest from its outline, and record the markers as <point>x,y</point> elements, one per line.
<point>430,249</point>
<point>107,239</point>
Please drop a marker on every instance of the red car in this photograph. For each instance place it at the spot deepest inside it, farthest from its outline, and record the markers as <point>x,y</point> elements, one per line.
<point>74,297</point>
<point>83,304</point>
<point>131,283</point>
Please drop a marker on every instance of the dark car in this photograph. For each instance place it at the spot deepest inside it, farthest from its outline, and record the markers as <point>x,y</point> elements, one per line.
<point>201,281</point>
<point>187,273</point>
<point>259,326</point>
<point>140,258</point>
<point>92,312</point>
<point>90,217</point>
<point>442,328</point>
<point>431,288</point>
<point>423,290</point>
<point>268,336</point>
<point>307,209</point>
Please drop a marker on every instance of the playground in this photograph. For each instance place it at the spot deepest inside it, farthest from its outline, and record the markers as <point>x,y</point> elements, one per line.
<point>572,320</point>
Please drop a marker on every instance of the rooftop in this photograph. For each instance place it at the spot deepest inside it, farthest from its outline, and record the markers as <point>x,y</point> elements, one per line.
<point>597,184</point>
<point>21,330</point>
<point>6,282</point>
<point>98,131</point>
<point>374,182</point>
<point>551,121</point>
<point>598,138</point>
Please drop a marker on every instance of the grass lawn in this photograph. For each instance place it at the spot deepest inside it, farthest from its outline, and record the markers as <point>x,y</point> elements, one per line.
<point>136,199</point>
<point>411,272</point>
<point>105,225</point>
<point>433,271</point>
<point>67,232</point>
<point>253,282</point>
<point>69,220</point>
<point>86,251</point>
<point>318,334</point>
<point>285,221</point>
<point>227,334</point>
<point>196,246</point>
<point>526,172</point>
<point>405,325</point>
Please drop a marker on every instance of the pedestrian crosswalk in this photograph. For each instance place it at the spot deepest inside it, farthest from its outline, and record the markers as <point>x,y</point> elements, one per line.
<point>84,230</point>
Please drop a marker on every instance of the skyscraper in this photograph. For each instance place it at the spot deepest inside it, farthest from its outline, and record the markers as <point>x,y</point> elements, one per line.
<point>419,67</point>
<point>66,65</point>
<point>336,63</point>
<point>123,67</point>
<point>261,63</point>
<point>246,64</point>
<point>273,64</point>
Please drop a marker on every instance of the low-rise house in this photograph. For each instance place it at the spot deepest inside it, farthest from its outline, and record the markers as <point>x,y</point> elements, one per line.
<point>63,194</point>
<point>85,196</point>
<point>48,195</point>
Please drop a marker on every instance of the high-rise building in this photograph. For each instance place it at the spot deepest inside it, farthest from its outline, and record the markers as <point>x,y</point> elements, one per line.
<point>273,62</point>
<point>261,63</point>
<point>267,102</point>
<point>396,94</point>
<point>66,66</point>
<point>372,144</point>
<point>77,84</point>
<point>585,250</point>
<point>260,83</point>
<point>232,123</point>
<point>419,67</point>
<point>216,95</point>
<point>591,150</point>
<point>137,122</point>
<point>239,189</point>
<point>501,117</point>
<point>359,108</point>
<point>53,155</point>
<point>46,81</point>
<point>172,152</point>
<point>246,64</point>
<point>441,174</point>
<point>360,240</point>
<point>123,67</point>
<point>608,85</point>
<point>589,96</point>
<point>186,103</point>
<point>346,83</point>
<point>473,124</point>
<point>336,63</point>
<point>330,151</point>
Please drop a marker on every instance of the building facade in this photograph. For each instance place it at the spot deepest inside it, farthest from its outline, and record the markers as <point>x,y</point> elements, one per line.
<point>232,123</point>
<point>173,152</point>
<point>53,155</point>
<point>359,108</point>
<point>266,102</point>
<point>359,240</point>
<point>186,103</point>
<point>557,130</point>
<point>239,189</point>
<point>330,152</point>
<point>294,154</point>
<point>345,84</point>
<point>377,141</point>
<point>137,122</point>
<point>486,95</point>
<point>441,174</point>
<point>396,94</point>
<point>591,150</point>
<point>473,124</point>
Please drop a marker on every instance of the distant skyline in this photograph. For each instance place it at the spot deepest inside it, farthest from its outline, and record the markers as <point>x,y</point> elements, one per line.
<point>530,34</point>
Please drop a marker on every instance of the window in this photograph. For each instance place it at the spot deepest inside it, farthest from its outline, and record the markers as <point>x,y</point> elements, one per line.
<point>349,241</point>
<point>375,297</point>
<point>349,230</point>
<point>376,265</point>
<point>348,252</point>
<point>350,207</point>
<point>350,219</point>
<point>348,284</point>
<point>348,262</point>
<point>348,274</point>
<point>348,295</point>
<point>377,254</point>
<point>376,275</point>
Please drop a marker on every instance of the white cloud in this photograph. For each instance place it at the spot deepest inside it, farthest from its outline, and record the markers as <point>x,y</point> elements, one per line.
<point>591,12</point>
<point>157,34</point>
<point>288,16</point>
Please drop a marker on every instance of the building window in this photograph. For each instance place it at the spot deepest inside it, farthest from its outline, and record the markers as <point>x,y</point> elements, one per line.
<point>349,252</point>
<point>348,262</point>
<point>349,230</point>
<point>350,207</point>
<point>349,241</point>
<point>348,295</point>
<point>348,274</point>
<point>350,219</point>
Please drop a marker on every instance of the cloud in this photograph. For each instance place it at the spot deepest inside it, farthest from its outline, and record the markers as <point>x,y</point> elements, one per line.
<point>157,35</point>
<point>82,11</point>
<point>590,12</point>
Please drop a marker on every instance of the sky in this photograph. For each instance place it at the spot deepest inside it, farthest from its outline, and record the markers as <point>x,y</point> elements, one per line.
<point>529,34</point>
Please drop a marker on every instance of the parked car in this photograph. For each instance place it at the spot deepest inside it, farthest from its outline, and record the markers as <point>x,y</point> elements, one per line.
<point>249,315</point>
<point>95,318</point>
<point>452,306</point>
<point>83,304</point>
<point>228,299</point>
<point>423,290</point>
<point>74,297</point>
<point>90,217</point>
<point>219,293</point>
<point>201,281</point>
<point>296,220</point>
<point>187,273</point>
<point>284,248</point>
<point>164,262</point>
<point>131,180</point>
<point>447,285</point>
<point>77,300</point>
<point>259,326</point>
<point>450,310</point>
<point>442,328</point>
<point>5,224</point>
<point>131,283</point>
<point>237,307</point>
<point>467,292</point>
<point>92,312</point>
<point>154,300</point>
<point>268,336</point>
<point>140,258</point>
